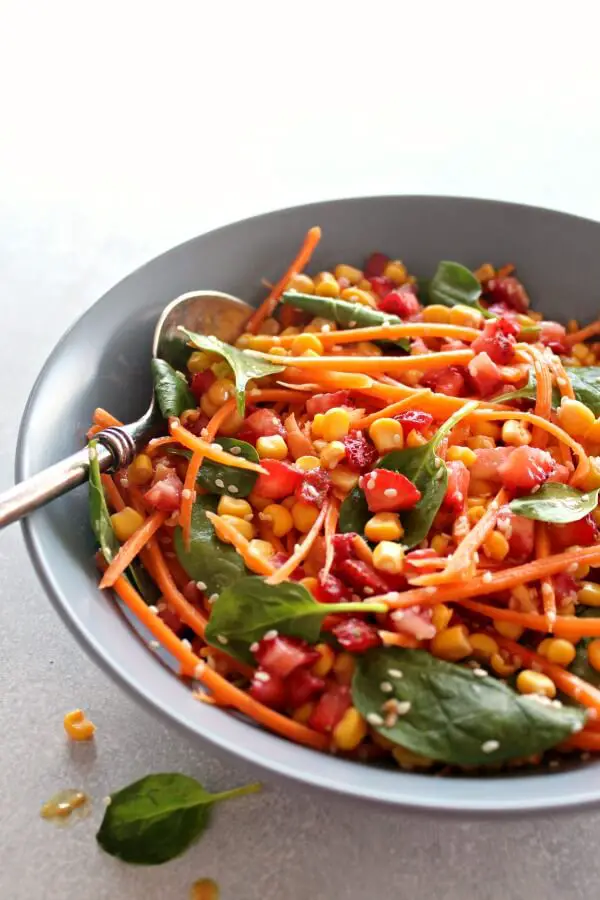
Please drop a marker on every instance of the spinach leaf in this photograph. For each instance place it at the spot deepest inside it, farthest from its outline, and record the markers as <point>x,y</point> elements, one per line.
<point>248,609</point>
<point>171,389</point>
<point>555,502</point>
<point>425,469</point>
<point>245,366</point>
<point>586,384</point>
<point>454,715</point>
<point>99,514</point>
<point>218,478</point>
<point>580,665</point>
<point>156,818</point>
<point>454,285</point>
<point>527,392</point>
<point>208,560</point>
<point>342,312</point>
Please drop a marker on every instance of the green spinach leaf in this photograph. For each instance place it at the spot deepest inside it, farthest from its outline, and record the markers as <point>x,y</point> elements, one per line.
<point>171,390</point>
<point>218,478</point>
<point>208,560</point>
<point>450,714</point>
<point>245,365</point>
<point>158,817</point>
<point>99,514</point>
<point>580,665</point>
<point>454,285</point>
<point>555,502</point>
<point>586,384</point>
<point>248,609</point>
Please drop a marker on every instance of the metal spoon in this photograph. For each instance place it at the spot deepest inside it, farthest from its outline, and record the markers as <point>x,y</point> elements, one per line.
<point>206,312</point>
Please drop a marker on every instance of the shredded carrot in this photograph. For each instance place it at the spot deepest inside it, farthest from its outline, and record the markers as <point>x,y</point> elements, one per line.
<point>387,333</point>
<point>225,693</point>
<point>543,392</point>
<point>571,627</point>
<point>153,559</point>
<point>542,550</point>
<point>132,547</point>
<point>584,740</point>
<point>577,337</point>
<point>331,520</point>
<point>267,308</point>
<point>273,395</point>
<point>393,409</point>
<point>421,361</point>
<point>394,639</point>
<point>266,534</point>
<point>440,406</point>
<point>299,445</point>
<point>104,419</point>
<point>112,493</point>
<point>93,431</point>
<point>231,535</point>
<point>301,551</point>
<point>157,443</point>
<point>562,379</point>
<point>189,440</point>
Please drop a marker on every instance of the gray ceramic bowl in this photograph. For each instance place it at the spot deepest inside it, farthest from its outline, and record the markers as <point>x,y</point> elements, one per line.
<point>104,361</point>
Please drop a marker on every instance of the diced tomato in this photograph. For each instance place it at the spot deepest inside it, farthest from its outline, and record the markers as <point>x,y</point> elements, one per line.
<point>315,487</point>
<point>562,473</point>
<point>381,285</point>
<point>449,381</point>
<point>497,340</point>
<point>581,533</point>
<point>361,453</point>
<point>361,576</point>
<point>201,382</point>
<point>414,621</point>
<point>343,546</point>
<point>518,531</point>
<point>268,689</point>
<point>453,344</point>
<point>330,589</point>
<point>510,291</point>
<point>375,264</point>
<point>414,420</point>
<point>165,495</point>
<point>416,556</point>
<point>192,594</point>
<point>487,462</point>
<point>171,620</point>
<point>458,486</point>
<point>418,347</point>
<point>356,636</point>
<point>280,655</point>
<point>485,374</point>
<point>281,479</point>
<point>565,588</point>
<point>330,708</point>
<point>301,686</point>
<point>554,336</point>
<point>320,403</point>
<point>387,491</point>
<point>402,302</point>
<point>264,423</point>
<point>525,468</point>
<point>198,425</point>
<point>278,559</point>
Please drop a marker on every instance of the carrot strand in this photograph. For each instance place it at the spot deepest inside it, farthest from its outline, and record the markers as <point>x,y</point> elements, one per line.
<point>210,451</point>
<point>301,551</point>
<point>229,534</point>
<point>132,547</point>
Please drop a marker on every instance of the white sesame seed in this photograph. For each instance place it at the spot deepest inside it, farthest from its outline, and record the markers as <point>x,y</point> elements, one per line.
<point>154,645</point>
<point>368,590</point>
<point>199,670</point>
<point>386,687</point>
<point>222,639</point>
<point>271,635</point>
<point>487,577</point>
<point>490,746</point>
<point>186,494</point>
<point>390,492</point>
<point>107,800</point>
<point>481,673</point>
<point>554,764</point>
<point>396,439</point>
<point>233,489</point>
<point>204,434</point>
<point>352,324</point>
<point>395,673</point>
<point>201,585</point>
<point>391,719</point>
<point>556,704</point>
<point>577,726</point>
<point>403,707</point>
<point>235,451</point>
<point>153,609</point>
<point>216,446</point>
<point>213,598</point>
<point>326,327</point>
<point>219,483</point>
<point>297,547</point>
<point>254,647</point>
<point>585,497</point>
<point>185,643</point>
<point>374,719</point>
<point>262,676</point>
<point>371,484</point>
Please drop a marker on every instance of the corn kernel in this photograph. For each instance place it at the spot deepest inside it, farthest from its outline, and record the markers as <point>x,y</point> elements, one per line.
<point>384,526</point>
<point>326,285</point>
<point>272,447</point>
<point>221,390</point>
<point>350,730</point>
<point>408,760</point>
<point>245,528</point>
<point>465,316</point>
<point>304,515</point>
<point>436,313</point>
<point>480,488</point>
<point>413,377</point>
<point>592,479</point>
<point>204,889</point>
<point>481,442</point>
<point>451,644</point>
<point>200,361</point>
<point>77,726</point>
<point>279,518</point>
<point>530,682</point>
<point>593,653</point>
<point>592,436</point>
<point>351,273</point>
<point>301,283</point>
<point>502,666</point>
<point>231,424</point>
<point>475,513</point>
<point>414,438</point>
<point>320,324</point>
<point>336,424</point>
<point>331,454</point>
<point>589,594</point>
<point>560,651</point>
<point>574,417</point>
<point>232,506</point>
<point>305,342</point>
<point>343,667</point>
<point>579,351</point>
<point>303,713</point>
<point>496,546</point>
<point>364,284</point>
<point>290,331</point>
<point>542,647</point>
<point>221,369</point>
<point>263,549</point>
<point>140,471</point>
<point>508,629</point>
<point>582,570</point>
<point>324,664</point>
<point>395,270</point>
<point>306,463</point>
<point>365,348</point>
<point>388,557</point>
<point>258,502</point>
<point>440,543</point>
<point>488,429</point>
<point>344,478</point>
<point>310,583</point>
<point>461,454</point>
<point>126,522</point>
<point>440,616</point>
<point>288,502</point>
<point>316,426</point>
<point>243,342</point>
<point>516,433</point>
<point>355,295</point>
<point>483,645</point>
<point>387,434</point>
<point>278,351</point>
<point>207,406</point>
<point>270,326</point>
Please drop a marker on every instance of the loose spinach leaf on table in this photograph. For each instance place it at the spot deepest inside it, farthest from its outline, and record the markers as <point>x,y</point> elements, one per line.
<point>454,285</point>
<point>248,609</point>
<point>555,502</point>
<point>455,716</point>
<point>245,366</point>
<point>208,560</point>
<point>218,478</point>
<point>345,313</point>
<point>156,818</point>
<point>581,665</point>
<point>171,390</point>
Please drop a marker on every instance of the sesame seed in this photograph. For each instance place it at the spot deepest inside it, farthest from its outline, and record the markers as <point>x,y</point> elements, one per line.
<point>199,670</point>
<point>386,687</point>
<point>297,547</point>
<point>352,324</point>
<point>487,577</point>
<point>374,719</point>
<point>262,676</point>
<point>235,451</point>
<point>371,484</point>
<point>576,727</point>
<point>186,494</point>
<point>481,673</point>
<point>326,328</point>
<point>398,614</point>
<point>201,585</point>
<point>271,635</point>
<point>185,643</point>
<point>213,598</point>
<point>219,483</point>
<point>490,746</point>
<point>554,764</point>
<point>556,704</point>
<point>391,719</point>
<point>222,639</point>
<point>403,707</point>
<point>204,434</point>
<point>153,609</point>
<point>395,673</point>
<point>585,497</point>
<point>396,439</point>
<point>368,590</point>
<point>233,489</point>
<point>390,492</point>
<point>254,647</point>
<point>107,800</point>
<point>154,645</point>
<point>429,590</point>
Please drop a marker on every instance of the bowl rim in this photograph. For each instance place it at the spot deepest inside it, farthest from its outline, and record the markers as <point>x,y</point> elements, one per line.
<point>409,799</point>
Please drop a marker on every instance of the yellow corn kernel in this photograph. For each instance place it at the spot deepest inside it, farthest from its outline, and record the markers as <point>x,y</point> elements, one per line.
<point>387,434</point>
<point>592,435</point>
<point>306,463</point>
<point>259,503</point>
<point>288,502</point>
<point>592,479</point>
<point>316,427</point>
<point>488,429</point>
<point>508,629</point>
<point>501,666</point>
<point>245,528</point>
<point>200,361</point>
<point>324,664</point>
<point>205,889</point>
<point>351,273</point>
<point>440,616</point>
<point>310,583</point>
<point>461,454</point>
<point>436,313</point>
<point>496,546</point>
<point>530,682</point>
<point>516,433</point>
<point>301,283</point>
<point>272,447</point>
<point>263,549</point>
<point>278,351</point>
<point>414,438</point>
<point>483,645</point>
<point>222,369</point>
<point>440,543</point>
<point>233,506</point>
<point>140,471</point>
<point>331,454</point>
<point>290,331</point>
<point>413,377</point>
<point>350,730</point>
<point>319,324</point>
<point>77,726</point>
<point>344,478</point>
<point>336,424</point>
<point>207,406</point>
<point>484,272</point>
<point>451,644</point>
<point>593,653</point>
<point>589,594</point>
<point>481,442</point>
<point>574,417</point>
<point>270,326</point>
<point>579,571</point>
<point>364,284</point>
<point>279,518</point>
<point>384,526</point>
<point>343,667</point>
<point>304,515</point>
<point>326,285</point>
<point>125,523</point>
<point>579,351</point>
<point>305,342</point>
<point>480,488</point>
<point>231,424</point>
<point>395,270</point>
<point>220,391</point>
<point>475,513</point>
<point>303,713</point>
<point>408,760</point>
<point>388,557</point>
<point>542,647</point>
<point>560,651</point>
<point>355,295</point>
<point>466,316</point>
<point>365,348</point>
